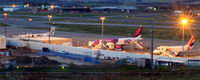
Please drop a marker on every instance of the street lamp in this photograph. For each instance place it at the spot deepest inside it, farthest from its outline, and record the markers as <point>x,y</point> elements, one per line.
<point>184,22</point>
<point>102,28</point>
<point>73,6</point>
<point>30,19</point>
<point>85,7</point>
<point>102,18</point>
<point>5,15</point>
<point>52,7</point>
<point>13,5</point>
<point>50,16</point>
<point>27,5</point>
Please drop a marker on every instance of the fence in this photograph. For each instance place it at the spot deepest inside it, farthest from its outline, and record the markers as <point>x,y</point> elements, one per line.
<point>88,52</point>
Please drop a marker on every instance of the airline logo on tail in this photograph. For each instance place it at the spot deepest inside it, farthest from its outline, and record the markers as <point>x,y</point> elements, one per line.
<point>191,43</point>
<point>138,32</point>
<point>52,30</point>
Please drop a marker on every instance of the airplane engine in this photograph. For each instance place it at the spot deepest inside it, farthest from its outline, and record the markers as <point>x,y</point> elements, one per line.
<point>110,46</point>
<point>34,36</point>
<point>118,47</point>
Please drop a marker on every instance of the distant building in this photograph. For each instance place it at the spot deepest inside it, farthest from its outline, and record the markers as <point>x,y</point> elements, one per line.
<point>138,0</point>
<point>77,10</point>
<point>10,8</point>
<point>107,9</point>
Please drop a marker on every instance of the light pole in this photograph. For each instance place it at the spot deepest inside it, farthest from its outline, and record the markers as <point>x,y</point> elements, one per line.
<point>27,5</point>
<point>85,7</point>
<point>5,15</point>
<point>50,16</point>
<point>13,5</point>
<point>102,19</point>
<point>102,28</point>
<point>184,22</point>
<point>152,38</point>
<point>52,7</point>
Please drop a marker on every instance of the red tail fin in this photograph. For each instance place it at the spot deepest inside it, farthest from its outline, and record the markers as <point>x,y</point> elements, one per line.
<point>138,32</point>
<point>191,42</point>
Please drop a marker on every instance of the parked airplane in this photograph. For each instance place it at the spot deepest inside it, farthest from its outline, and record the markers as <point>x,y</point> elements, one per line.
<point>118,42</point>
<point>174,50</point>
<point>28,35</point>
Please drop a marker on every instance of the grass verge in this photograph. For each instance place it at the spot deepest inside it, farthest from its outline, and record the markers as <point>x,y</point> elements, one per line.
<point>159,33</point>
<point>111,22</point>
<point>2,25</point>
<point>64,14</point>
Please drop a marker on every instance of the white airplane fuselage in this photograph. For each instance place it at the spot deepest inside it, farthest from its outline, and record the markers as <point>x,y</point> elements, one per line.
<point>29,35</point>
<point>122,41</point>
<point>175,49</point>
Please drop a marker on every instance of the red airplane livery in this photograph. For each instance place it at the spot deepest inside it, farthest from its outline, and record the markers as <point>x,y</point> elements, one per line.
<point>117,42</point>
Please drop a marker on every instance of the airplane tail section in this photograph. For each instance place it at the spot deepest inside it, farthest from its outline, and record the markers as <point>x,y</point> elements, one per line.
<point>190,44</point>
<point>138,32</point>
<point>52,31</point>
